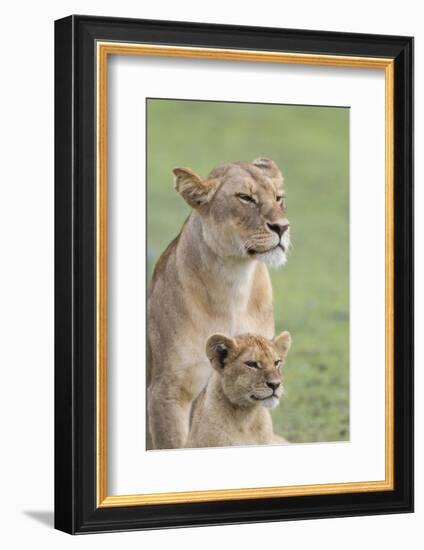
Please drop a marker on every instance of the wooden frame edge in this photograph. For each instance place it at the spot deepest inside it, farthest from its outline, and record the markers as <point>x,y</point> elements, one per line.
<point>243,494</point>
<point>101,269</point>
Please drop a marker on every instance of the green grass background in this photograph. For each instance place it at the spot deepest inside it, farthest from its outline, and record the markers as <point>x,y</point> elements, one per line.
<point>311,293</point>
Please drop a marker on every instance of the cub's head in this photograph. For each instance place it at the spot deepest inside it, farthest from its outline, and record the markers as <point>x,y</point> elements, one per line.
<point>250,367</point>
<point>243,209</point>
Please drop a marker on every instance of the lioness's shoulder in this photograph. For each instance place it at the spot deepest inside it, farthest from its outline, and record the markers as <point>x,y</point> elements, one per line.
<point>163,260</point>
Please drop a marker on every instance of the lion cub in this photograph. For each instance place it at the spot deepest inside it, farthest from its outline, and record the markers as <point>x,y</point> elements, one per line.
<point>246,381</point>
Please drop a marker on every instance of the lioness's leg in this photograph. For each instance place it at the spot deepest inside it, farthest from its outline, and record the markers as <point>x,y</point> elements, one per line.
<point>169,415</point>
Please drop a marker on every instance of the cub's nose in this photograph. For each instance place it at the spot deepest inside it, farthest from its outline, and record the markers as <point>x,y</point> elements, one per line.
<point>278,228</point>
<point>273,385</point>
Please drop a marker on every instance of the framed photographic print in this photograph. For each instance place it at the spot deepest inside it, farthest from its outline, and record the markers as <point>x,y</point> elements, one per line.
<point>234,268</point>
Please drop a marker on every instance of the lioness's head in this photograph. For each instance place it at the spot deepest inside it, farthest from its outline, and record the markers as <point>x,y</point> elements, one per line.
<point>250,367</point>
<point>242,207</point>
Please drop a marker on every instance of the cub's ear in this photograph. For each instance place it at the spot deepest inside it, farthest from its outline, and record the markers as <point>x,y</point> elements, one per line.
<point>283,342</point>
<point>220,349</point>
<point>196,191</point>
<point>269,167</point>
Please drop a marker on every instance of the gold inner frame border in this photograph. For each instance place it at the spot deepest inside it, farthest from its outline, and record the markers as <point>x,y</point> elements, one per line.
<point>103,50</point>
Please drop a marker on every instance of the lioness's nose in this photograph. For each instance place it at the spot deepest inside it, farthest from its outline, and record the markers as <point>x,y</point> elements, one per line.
<point>273,385</point>
<point>278,228</point>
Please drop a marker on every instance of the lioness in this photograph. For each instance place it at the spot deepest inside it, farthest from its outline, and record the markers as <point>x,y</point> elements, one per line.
<point>230,409</point>
<point>211,278</point>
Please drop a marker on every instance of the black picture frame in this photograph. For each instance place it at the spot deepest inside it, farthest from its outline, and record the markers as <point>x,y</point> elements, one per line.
<point>76,510</point>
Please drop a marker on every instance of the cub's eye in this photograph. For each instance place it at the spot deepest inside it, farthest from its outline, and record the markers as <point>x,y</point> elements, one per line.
<point>246,198</point>
<point>277,363</point>
<point>252,364</point>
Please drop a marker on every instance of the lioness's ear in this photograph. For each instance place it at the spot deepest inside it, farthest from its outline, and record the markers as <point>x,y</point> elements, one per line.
<point>196,191</point>
<point>220,349</point>
<point>283,342</point>
<point>269,167</point>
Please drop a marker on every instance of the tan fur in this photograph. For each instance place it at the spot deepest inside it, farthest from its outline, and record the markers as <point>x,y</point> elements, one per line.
<point>209,279</point>
<point>231,409</point>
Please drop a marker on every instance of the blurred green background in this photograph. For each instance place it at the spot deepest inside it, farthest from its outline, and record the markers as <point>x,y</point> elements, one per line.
<point>311,293</point>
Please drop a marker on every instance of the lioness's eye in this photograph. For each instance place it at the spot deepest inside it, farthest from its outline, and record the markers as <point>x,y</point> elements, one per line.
<point>280,199</point>
<point>252,364</point>
<point>277,363</point>
<point>245,198</point>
